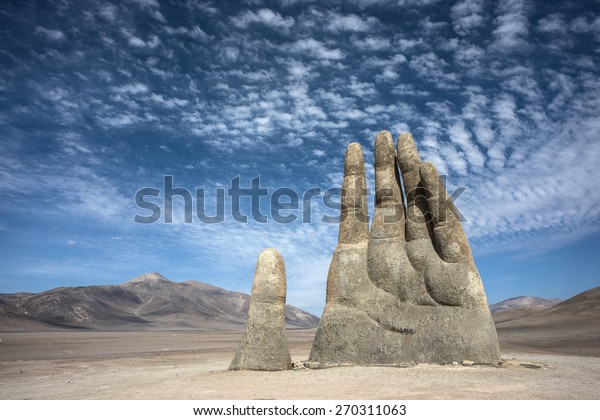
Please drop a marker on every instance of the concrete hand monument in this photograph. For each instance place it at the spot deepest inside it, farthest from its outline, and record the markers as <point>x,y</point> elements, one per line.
<point>264,345</point>
<point>406,290</point>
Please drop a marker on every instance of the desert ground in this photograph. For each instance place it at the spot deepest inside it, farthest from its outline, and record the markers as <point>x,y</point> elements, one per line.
<point>193,365</point>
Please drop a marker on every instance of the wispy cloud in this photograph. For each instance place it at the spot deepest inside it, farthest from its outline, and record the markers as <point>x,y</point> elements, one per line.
<point>553,23</point>
<point>193,32</point>
<point>131,88</point>
<point>50,34</point>
<point>512,25</point>
<point>467,15</point>
<point>316,49</point>
<point>350,23</point>
<point>152,7</point>
<point>263,16</point>
<point>372,43</point>
<point>434,68</point>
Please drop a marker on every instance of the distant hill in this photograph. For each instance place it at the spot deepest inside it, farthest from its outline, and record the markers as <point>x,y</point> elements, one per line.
<point>520,306</point>
<point>571,326</point>
<point>581,309</point>
<point>149,301</point>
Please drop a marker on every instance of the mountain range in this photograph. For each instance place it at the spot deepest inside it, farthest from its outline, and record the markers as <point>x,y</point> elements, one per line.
<point>150,301</point>
<point>520,306</point>
<point>569,327</point>
<point>581,309</point>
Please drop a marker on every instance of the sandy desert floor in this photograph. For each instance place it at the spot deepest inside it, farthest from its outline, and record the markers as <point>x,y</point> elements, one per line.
<point>193,365</point>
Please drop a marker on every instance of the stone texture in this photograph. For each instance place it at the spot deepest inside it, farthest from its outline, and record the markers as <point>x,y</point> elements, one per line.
<point>407,290</point>
<point>264,344</point>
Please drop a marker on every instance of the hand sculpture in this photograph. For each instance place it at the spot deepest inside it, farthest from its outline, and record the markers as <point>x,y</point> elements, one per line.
<point>264,345</point>
<point>407,291</point>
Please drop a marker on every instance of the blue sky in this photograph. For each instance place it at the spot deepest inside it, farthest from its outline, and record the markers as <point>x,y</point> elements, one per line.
<point>99,99</point>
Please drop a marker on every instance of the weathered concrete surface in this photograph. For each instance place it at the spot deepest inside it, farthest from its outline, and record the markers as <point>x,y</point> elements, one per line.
<point>264,345</point>
<point>407,291</point>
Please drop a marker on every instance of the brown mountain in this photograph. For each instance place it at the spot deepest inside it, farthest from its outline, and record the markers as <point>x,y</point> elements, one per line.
<point>520,306</point>
<point>572,326</point>
<point>149,301</point>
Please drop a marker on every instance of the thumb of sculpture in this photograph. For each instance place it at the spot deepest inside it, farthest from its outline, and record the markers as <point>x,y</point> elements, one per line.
<point>264,345</point>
